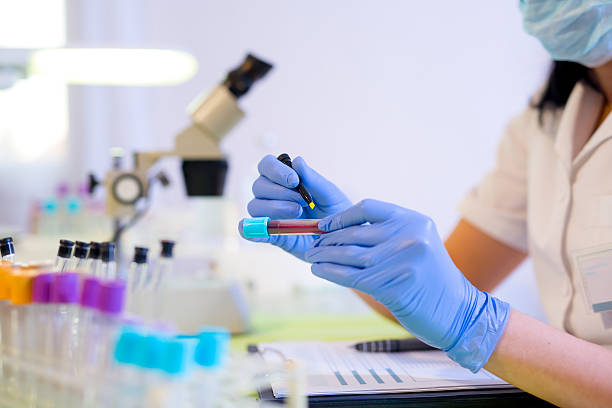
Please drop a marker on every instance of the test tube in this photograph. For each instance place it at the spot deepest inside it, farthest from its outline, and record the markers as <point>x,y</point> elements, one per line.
<point>108,268</point>
<point>5,271</point>
<point>108,320</point>
<point>210,355</point>
<point>21,383</point>
<point>5,320</point>
<point>7,249</point>
<point>263,227</point>
<point>163,269</point>
<point>41,298</point>
<point>80,256</point>
<point>43,321</point>
<point>138,268</point>
<point>90,299</point>
<point>65,295</point>
<point>93,258</point>
<point>64,253</point>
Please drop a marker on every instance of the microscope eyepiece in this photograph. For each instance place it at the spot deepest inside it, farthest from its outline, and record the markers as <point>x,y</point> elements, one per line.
<point>240,80</point>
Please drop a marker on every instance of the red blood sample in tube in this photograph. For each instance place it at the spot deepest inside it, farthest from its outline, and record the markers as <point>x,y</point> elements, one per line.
<point>288,227</point>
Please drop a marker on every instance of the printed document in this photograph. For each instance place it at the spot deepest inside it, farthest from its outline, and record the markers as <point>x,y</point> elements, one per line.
<point>337,368</point>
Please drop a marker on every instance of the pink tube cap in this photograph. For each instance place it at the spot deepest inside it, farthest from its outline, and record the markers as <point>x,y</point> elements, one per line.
<point>65,288</point>
<point>41,287</point>
<point>112,297</point>
<point>90,294</point>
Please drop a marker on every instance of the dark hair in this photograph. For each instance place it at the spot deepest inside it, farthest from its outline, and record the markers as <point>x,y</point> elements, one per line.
<point>563,76</point>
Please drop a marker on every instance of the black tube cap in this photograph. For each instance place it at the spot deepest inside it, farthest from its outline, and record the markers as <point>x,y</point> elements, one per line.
<point>167,247</point>
<point>140,255</point>
<point>6,246</point>
<point>107,251</point>
<point>65,248</point>
<point>80,249</point>
<point>94,250</point>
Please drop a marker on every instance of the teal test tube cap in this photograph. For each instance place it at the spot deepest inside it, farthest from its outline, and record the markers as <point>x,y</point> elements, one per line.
<point>213,347</point>
<point>255,227</point>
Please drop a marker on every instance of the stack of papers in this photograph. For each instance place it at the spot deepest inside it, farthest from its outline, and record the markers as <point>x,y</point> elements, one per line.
<point>334,368</point>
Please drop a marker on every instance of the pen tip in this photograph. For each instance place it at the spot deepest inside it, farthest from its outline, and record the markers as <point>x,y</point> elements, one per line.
<point>312,206</point>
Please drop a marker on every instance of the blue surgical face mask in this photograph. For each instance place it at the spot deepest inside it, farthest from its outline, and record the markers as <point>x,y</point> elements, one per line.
<point>571,30</point>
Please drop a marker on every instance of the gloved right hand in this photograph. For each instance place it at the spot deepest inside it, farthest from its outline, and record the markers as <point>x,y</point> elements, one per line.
<point>276,197</point>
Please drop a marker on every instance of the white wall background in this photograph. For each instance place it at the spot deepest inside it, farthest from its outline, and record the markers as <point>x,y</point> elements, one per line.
<point>397,100</point>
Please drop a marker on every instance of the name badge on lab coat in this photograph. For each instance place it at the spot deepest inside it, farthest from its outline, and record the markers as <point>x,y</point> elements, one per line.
<point>595,268</point>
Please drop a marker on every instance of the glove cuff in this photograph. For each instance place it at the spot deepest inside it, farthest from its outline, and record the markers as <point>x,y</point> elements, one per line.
<point>478,341</point>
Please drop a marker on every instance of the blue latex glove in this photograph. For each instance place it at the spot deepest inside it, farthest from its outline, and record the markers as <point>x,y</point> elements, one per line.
<point>396,255</point>
<point>276,197</point>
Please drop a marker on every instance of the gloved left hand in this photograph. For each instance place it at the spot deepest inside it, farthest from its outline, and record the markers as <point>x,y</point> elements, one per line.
<point>396,255</point>
<point>275,197</point>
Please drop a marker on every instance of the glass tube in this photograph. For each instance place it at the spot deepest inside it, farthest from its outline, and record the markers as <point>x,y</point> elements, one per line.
<point>108,267</point>
<point>7,249</point>
<point>80,256</point>
<point>63,261</point>
<point>138,268</point>
<point>93,258</point>
<point>294,227</point>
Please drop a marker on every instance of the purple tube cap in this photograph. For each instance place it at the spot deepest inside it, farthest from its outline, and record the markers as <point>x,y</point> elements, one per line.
<point>65,288</point>
<point>41,287</point>
<point>112,297</point>
<point>90,294</point>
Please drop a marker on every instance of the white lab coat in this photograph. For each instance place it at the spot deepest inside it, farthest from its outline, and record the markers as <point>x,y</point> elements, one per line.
<point>550,194</point>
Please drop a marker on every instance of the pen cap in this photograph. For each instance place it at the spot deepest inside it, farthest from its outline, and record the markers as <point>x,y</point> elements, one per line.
<point>255,227</point>
<point>65,288</point>
<point>90,293</point>
<point>94,250</point>
<point>41,288</point>
<point>80,249</point>
<point>21,288</point>
<point>213,347</point>
<point>112,297</point>
<point>5,271</point>
<point>65,248</point>
<point>6,246</point>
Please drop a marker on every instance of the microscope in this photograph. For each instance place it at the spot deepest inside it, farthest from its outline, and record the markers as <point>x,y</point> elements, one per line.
<point>204,166</point>
<point>204,169</point>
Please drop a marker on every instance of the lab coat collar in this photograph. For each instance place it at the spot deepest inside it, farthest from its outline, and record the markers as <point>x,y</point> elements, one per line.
<point>601,135</point>
<point>579,118</point>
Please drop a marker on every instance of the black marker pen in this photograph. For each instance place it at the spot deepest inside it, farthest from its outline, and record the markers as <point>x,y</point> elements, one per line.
<point>285,159</point>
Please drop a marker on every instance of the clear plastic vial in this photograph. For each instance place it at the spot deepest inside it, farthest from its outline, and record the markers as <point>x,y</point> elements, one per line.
<point>163,269</point>
<point>63,260</point>
<point>90,299</point>
<point>138,268</point>
<point>108,321</point>
<point>80,256</point>
<point>108,267</point>
<point>93,258</point>
<point>263,227</point>
<point>7,249</point>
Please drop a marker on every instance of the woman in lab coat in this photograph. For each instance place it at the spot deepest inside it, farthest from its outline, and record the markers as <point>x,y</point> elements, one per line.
<point>549,197</point>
